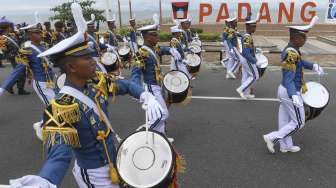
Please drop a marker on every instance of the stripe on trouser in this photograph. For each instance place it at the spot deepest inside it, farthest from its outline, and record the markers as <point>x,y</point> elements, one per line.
<point>83,177</point>
<point>41,93</point>
<point>88,178</point>
<point>254,77</point>
<point>298,126</point>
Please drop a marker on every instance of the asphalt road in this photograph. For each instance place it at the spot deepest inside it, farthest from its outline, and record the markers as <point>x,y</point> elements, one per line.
<point>221,140</point>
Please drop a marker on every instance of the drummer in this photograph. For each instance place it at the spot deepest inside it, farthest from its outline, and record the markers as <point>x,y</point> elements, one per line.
<point>225,44</point>
<point>188,35</point>
<point>175,42</point>
<point>232,66</point>
<point>291,110</point>
<point>250,73</point>
<point>77,120</point>
<point>133,35</point>
<point>92,40</point>
<point>148,67</point>
<point>112,35</point>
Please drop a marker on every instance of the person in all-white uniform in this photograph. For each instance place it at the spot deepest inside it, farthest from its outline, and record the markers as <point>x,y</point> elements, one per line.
<point>291,109</point>
<point>250,73</point>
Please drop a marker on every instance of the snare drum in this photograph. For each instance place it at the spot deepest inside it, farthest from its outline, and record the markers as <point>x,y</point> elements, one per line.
<point>315,100</point>
<point>60,80</point>
<point>124,52</point>
<point>196,42</point>
<point>262,63</point>
<point>146,159</point>
<point>110,61</point>
<point>176,86</point>
<point>193,63</point>
<point>196,49</point>
<point>140,41</point>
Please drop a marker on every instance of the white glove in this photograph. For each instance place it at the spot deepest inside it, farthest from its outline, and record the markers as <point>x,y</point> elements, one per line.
<point>297,101</point>
<point>152,107</point>
<point>318,69</point>
<point>31,181</point>
<point>2,91</point>
<point>175,54</point>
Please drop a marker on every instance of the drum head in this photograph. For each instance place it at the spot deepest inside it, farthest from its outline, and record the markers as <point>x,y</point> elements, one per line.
<point>124,50</point>
<point>145,161</point>
<point>317,95</point>
<point>109,58</point>
<point>61,80</point>
<point>140,41</point>
<point>262,60</point>
<point>193,60</point>
<point>196,42</point>
<point>195,48</point>
<point>176,81</point>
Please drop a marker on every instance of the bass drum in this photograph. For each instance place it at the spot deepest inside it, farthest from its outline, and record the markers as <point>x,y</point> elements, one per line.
<point>60,81</point>
<point>262,64</point>
<point>124,52</point>
<point>315,99</point>
<point>110,61</point>
<point>176,86</point>
<point>193,63</point>
<point>146,159</point>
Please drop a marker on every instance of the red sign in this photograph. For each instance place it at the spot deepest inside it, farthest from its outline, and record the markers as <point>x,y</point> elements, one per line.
<point>180,10</point>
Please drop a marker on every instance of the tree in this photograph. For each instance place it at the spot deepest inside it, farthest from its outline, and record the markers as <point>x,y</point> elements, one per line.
<point>63,11</point>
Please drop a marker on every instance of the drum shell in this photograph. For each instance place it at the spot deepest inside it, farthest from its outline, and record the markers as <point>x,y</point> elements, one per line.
<point>125,57</point>
<point>261,71</point>
<point>169,178</point>
<point>193,70</point>
<point>111,68</point>
<point>173,98</point>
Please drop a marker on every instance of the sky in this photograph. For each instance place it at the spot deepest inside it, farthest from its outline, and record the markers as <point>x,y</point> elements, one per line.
<point>23,10</point>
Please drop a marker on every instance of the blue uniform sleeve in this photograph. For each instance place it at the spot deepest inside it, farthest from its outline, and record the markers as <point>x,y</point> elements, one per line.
<point>57,164</point>
<point>14,76</point>
<point>307,65</point>
<point>288,82</point>
<point>129,87</point>
<point>136,75</point>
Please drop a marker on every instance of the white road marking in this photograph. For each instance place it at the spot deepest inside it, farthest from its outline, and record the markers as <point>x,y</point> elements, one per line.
<point>234,98</point>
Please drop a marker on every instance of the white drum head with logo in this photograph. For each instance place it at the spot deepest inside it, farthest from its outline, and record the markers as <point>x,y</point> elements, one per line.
<point>317,95</point>
<point>124,50</point>
<point>176,81</point>
<point>195,48</point>
<point>262,61</point>
<point>144,161</point>
<point>61,80</point>
<point>192,60</point>
<point>140,41</point>
<point>109,58</point>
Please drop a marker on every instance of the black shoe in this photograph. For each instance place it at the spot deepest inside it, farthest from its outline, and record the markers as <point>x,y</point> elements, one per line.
<point>11,91</point>
<point>23,92</point>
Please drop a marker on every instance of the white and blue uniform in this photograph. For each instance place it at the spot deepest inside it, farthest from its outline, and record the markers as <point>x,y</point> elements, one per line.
<point>291,116</point>
<point>149,70</point>
<point>40,70</point>
<point>178,64</point>
<point>92,164</point>
<point>233,53</point>
<point>249,64</point>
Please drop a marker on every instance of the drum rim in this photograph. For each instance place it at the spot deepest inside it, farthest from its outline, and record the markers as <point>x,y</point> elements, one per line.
<point>174,71</point>
<point>124,46</point>
<point>164,137</point>
<point>193,54</point>
<point>111,63</point>
<point>326,89</point>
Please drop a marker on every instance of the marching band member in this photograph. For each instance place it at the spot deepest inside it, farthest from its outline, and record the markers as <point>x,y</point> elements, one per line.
<point>148,66</point>
<point>188,35</point>
<point>92,41</point>
<point>77,120</point>
<point>133,35</point>
<point>11,48</point>
<point>112,35</point>
<point>59,34</point>
<point>175,43</point>
<point>225,44</point>
<point>47,33</point>
<point>232,41</point>
<point>250,73</point>
<point>291,110</point>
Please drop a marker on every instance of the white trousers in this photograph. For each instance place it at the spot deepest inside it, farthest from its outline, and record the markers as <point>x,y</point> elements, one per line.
<point>233,61</point>
<point>180,66</point>
<point>43,92</point>
<point>157,92</point>
<point>291,119</point>
<point>250,76</point>
<point>89,178</point>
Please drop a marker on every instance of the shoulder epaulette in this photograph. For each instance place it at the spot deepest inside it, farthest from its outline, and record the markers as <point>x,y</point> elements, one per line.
<point>248,41</point>
<point>143,52</point>
<point>174,42</point>
<point>291,59</point>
